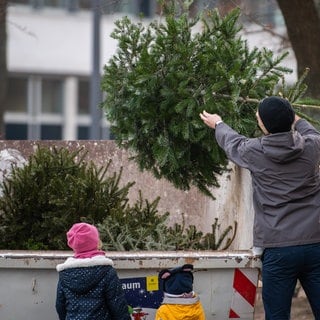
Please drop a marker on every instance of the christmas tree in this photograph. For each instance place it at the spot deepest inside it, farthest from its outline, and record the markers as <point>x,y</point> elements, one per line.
<point>164,74</point>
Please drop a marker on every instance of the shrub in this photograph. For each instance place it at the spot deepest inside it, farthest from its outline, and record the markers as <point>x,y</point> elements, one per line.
<point>57,188</point>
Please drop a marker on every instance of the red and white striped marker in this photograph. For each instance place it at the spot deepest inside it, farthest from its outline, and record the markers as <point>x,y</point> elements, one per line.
<point>244,293</point>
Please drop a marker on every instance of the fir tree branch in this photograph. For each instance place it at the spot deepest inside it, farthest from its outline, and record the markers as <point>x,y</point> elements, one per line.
<point>257,101</point>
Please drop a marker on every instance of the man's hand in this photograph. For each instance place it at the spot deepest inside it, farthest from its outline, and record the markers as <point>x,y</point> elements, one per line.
<point>210,119</point>
<point>296,118</point>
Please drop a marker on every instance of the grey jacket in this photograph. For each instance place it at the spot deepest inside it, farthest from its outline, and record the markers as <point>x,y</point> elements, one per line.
<point>285,179</point>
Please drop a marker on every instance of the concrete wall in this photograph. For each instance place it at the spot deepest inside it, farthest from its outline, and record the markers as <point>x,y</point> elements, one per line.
<point>233,198</point>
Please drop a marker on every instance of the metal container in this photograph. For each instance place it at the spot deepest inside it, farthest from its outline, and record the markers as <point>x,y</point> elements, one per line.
<point>226,281</point>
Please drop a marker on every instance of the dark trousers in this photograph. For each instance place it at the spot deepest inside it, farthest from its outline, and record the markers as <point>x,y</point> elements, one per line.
<point>281,268</point>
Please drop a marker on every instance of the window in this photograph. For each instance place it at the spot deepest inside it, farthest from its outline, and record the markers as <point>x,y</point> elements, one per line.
<point>34,108</point>
<point>10,2</point>
<point>51,132</point>
<point>144,7</point>
<point>17,94</point>
<point>83,97</point>
<point>37,4</point>
<point>52,98</point>
<point>16,131</point>
<point>83,132</point>
<point>40,107</point>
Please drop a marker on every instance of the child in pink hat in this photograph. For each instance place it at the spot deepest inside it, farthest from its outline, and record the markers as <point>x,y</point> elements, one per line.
<point>84,240</point>
<point>88,286</point>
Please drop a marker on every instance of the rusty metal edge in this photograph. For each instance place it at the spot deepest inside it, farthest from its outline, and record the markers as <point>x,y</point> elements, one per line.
<point>134,259</point>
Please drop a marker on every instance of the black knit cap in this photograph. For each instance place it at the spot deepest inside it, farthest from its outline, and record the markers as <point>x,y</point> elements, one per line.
<point>177,280</point>
<point>276,114</point>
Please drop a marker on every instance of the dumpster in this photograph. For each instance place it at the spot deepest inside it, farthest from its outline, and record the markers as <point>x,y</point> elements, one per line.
<point>226,282</point>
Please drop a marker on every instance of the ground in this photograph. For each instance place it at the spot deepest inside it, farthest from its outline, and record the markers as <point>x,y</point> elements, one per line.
<point>300,307</point>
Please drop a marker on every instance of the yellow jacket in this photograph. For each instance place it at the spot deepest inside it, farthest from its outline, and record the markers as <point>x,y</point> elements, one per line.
<point>171,311</point>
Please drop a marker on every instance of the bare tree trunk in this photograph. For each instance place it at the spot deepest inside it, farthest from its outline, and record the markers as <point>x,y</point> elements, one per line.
<point>3,62</point>
<point>303,26</point>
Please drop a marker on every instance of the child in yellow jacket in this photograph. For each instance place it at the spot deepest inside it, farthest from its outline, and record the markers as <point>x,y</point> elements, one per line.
<point>179,300</point>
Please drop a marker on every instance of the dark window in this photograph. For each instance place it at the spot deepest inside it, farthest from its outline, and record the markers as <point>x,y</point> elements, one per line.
<point>85,4</point>
<point>144,8</point>
<point>83,97</point>
<point>83,133</point>
<point>52,96</point>
<point>51,132</point>
<point>16,131</point>
<point>17,95</point>
<point>11,2</point>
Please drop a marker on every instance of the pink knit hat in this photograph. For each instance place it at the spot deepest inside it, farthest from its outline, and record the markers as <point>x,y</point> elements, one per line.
<point>83,239</point>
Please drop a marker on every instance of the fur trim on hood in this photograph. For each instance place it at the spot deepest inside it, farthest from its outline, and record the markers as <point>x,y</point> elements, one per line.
<point>72,262</point>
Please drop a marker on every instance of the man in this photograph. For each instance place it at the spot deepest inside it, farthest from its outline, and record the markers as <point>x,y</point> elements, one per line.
<point>284,166</point>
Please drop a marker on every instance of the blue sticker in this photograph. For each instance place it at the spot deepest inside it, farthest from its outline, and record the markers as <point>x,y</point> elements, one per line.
<point>138,295</point>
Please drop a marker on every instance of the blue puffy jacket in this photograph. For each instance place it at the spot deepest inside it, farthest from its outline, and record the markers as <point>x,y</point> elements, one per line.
<point>89,289</point>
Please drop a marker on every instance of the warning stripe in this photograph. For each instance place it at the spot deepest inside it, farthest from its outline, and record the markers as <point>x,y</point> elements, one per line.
<point>244,293</point>
<point>233,315</point>
<point>244,286</point>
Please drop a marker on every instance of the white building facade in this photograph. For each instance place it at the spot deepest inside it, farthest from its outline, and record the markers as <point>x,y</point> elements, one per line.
<point>50,58</point>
